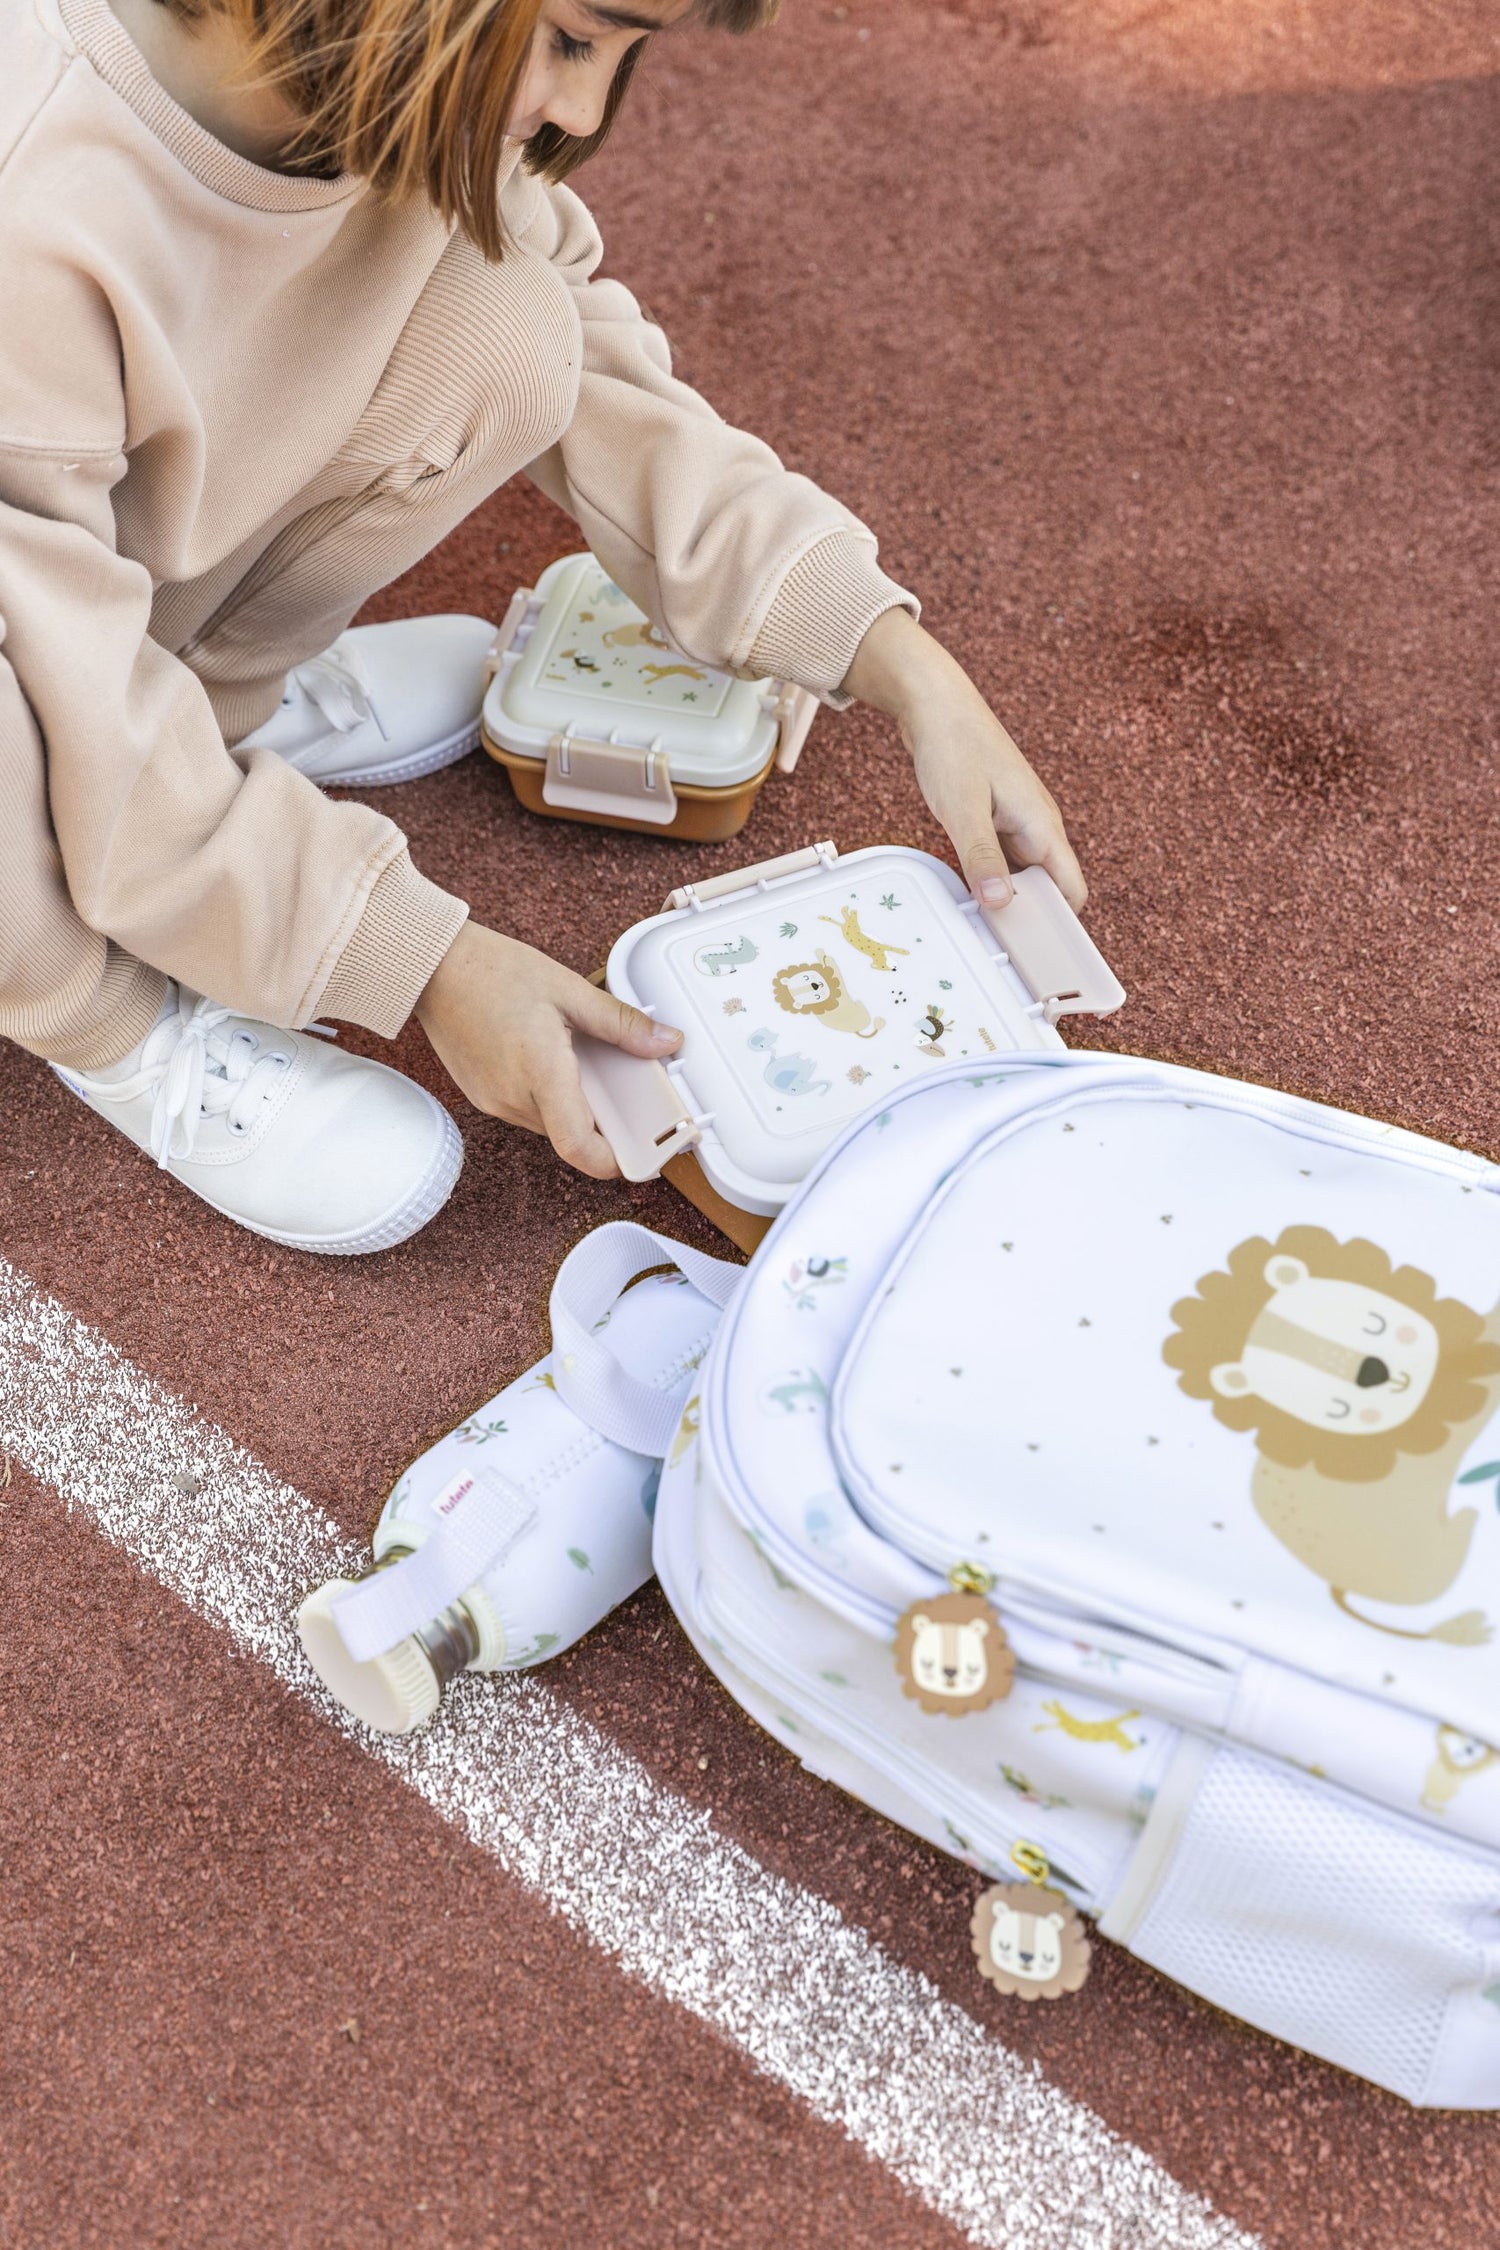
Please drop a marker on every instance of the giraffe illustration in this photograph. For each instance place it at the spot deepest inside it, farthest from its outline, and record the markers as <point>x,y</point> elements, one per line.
<point>1088,1730</point>
<point>846,922</point>
<point>655,672</point>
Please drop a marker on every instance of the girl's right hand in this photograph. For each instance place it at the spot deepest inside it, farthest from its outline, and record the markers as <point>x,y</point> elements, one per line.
<point>501,1016</point>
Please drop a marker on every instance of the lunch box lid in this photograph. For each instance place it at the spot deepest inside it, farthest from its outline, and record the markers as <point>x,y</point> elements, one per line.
<point>576,660</point>
<point>810,989</point>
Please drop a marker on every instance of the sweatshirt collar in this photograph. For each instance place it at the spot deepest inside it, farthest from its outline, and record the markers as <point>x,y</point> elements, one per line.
<point>98,33</point>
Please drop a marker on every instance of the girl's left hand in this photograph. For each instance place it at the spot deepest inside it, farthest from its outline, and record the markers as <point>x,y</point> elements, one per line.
<point>975,780</point>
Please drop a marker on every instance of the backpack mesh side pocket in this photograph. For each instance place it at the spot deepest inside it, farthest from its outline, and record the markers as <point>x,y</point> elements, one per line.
<point>1329,1924</point>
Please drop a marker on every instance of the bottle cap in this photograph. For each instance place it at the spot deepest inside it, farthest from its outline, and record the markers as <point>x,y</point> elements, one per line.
<point>394,1692</point>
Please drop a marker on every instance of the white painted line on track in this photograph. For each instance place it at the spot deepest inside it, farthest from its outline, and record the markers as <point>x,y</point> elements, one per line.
<point>869,2045</point>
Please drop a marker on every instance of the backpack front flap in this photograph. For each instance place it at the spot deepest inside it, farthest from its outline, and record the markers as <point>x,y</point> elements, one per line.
<point>769,1379</point>
<point>1211,1365</point>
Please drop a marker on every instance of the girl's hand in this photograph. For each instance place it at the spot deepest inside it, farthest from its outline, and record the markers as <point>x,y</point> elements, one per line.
<point>972,775</point>
<point>501,1017</point>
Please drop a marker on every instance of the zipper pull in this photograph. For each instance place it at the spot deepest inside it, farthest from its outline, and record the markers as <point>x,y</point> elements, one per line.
<point>1028,1940</point>
<point>1032,1861</point>
<point>952,1654</point>
<point>968,1578</point>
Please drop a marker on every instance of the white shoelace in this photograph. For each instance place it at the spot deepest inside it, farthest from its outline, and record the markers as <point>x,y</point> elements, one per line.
<point>340,687</point>
<point>194,1069</point>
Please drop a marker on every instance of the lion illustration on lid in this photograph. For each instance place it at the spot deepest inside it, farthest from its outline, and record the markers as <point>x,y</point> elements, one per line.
<point>815,988</point>
<point>1363,1388</point>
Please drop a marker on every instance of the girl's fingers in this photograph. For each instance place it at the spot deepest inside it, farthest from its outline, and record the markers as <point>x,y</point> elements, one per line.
<point>605,1017</point>
<point>1041,842</point>
<point>985,869</point>
<point>566,1118</point>
<point>1061,863</point>
<point>1045,844</point>
<point>969,818</point>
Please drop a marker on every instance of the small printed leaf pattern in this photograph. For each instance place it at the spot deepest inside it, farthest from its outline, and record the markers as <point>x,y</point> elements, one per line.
<point>800,1389</point>
<point>475,1432</point>
<point>579,1559</point>
<point>533,1654</point>
<point>1027,1790</point>
<point>785,1584</point>
<point>1487,1472</point>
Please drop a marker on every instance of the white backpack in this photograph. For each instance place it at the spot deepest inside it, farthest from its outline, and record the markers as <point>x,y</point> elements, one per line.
<point>1183,1389</point>
<point>1193,1384</point>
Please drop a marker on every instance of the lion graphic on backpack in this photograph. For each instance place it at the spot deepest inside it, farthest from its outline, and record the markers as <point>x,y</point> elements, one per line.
<point>1363,1388</point>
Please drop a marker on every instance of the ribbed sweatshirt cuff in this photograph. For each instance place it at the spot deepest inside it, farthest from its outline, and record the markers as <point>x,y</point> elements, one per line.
<point>823,609</point>
<point>127,1003</point>
<point>407,926</point>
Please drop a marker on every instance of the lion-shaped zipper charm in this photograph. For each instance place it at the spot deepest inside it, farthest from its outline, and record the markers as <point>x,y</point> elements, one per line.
<point>1028,1940</point>
<point>952,1654</point>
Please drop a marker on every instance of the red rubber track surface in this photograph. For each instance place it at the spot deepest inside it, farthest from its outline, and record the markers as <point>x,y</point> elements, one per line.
<point>1159,344</point>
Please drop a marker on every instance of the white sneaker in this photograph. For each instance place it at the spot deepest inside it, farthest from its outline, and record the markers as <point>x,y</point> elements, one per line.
<point>292,1138</point>
<point>385,703</point>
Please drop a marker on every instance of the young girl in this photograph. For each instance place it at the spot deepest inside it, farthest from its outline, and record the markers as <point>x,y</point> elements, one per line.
<point>291,286</point>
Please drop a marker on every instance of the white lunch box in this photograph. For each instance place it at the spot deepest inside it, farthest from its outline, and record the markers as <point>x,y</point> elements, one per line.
<point>811,989</point>
<point>596,717</point>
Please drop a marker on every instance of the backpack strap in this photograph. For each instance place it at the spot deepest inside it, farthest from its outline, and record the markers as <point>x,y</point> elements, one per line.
<point>589,1378</point>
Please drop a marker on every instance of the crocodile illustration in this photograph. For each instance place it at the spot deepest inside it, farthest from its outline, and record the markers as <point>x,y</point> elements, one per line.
<point>800,1393</point>
<point>715,960</point>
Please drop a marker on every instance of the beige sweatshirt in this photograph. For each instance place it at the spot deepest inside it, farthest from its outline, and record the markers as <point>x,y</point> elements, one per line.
<point>186,341</point>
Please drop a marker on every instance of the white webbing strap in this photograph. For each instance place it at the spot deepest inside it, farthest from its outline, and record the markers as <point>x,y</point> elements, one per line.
<point>588,1377</point>
<point>481,1516</point>
<point>481,1513</point>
